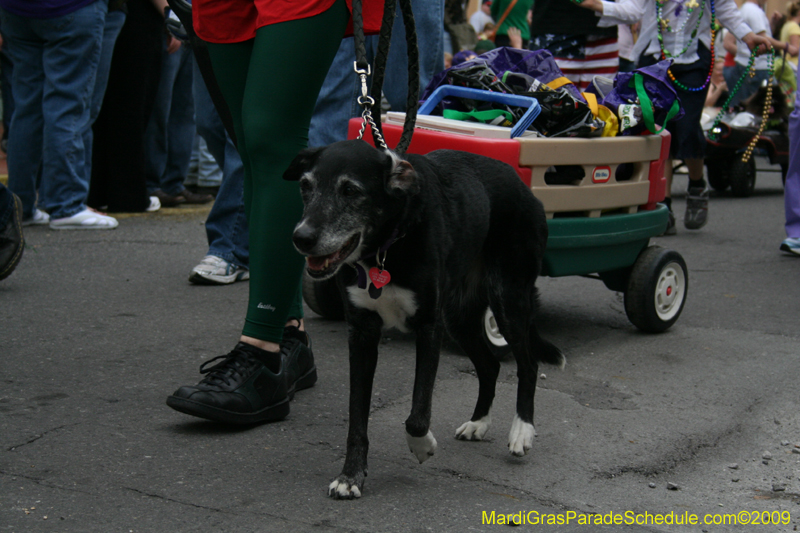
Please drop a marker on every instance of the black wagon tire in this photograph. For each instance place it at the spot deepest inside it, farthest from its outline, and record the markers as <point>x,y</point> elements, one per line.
<point>323,297</point>
<point>491,334</point>
<point>743,177</point>
<point>717,172</point>
<point>657,289</point>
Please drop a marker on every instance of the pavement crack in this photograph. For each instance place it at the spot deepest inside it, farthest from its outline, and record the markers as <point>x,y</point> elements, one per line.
<point>41,482</point>
<point>36,437</point>
<point>172,500</point>
<point>322,523</point>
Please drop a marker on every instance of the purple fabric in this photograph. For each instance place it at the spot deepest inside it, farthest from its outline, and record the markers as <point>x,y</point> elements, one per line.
<point>538,64</point>
<point>43,9</point>
<point>656,84</point>
<point>791,189</point>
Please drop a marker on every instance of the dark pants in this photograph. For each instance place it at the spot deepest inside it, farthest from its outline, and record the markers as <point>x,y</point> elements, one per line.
<point>688,139</point>
<point>6,206</point>
<point>118,172</point>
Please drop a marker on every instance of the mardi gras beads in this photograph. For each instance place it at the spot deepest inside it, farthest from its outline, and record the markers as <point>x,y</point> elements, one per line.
<point>665,54</point>
<point>715,129</point>
<point>748,152</point>
<point>749,71</point>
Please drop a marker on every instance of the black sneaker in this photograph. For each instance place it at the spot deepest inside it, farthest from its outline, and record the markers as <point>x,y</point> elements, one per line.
<point>696,208</point>
<point>243,388</point>
<point>297,360</point>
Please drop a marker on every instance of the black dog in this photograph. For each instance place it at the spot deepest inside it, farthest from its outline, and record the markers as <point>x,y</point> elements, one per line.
<point>452,233</point>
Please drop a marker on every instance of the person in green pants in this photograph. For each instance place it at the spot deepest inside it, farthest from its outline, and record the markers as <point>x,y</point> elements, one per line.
<point>270,60</point>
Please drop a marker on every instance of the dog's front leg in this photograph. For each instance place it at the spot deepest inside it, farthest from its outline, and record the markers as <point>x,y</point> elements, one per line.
<point>418,434</point>
<point>365,335</point>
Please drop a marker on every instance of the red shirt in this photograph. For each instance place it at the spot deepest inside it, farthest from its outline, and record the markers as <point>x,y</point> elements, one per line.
<point>233,21</point>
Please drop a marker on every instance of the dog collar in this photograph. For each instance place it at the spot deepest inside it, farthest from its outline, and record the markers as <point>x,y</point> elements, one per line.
<point>378,276</point>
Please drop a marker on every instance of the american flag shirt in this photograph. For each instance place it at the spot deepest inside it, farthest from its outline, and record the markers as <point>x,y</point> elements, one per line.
<point>581,57</point>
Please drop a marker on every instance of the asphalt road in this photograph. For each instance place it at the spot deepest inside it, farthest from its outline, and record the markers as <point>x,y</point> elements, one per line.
<point>97,328</point>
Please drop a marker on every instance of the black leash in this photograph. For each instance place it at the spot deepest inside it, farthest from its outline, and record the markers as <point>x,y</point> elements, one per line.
<point>371,102</point>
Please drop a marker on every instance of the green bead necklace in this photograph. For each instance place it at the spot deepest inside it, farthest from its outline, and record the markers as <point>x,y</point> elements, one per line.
<point>662,24</point>
<point>715,130</point>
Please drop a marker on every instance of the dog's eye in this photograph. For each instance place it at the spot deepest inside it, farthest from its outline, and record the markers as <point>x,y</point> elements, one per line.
<point>305,186</point>
<point>349,190</point>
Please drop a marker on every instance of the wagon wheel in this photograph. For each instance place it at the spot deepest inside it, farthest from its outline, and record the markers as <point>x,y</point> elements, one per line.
<point>656,289</point>
<point>743,177</point>
<point>323,297</point>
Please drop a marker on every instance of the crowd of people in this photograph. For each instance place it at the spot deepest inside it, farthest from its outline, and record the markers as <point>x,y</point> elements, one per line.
<point>108,105</point>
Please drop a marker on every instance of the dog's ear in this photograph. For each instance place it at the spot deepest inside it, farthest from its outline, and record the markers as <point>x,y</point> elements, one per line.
<point>302,163</point>
<point>403,178</point>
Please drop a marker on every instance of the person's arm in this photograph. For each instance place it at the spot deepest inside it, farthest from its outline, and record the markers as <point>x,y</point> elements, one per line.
<point>794,42</point>
<point>728,15</point>
<point>714,92</point>
<point>792,48</point>
<point>614,13</point>
<point>760,42</point>
<point>160,5</point>
<point>729,43</point>
<point>172,43</point>
<point>515,37</point>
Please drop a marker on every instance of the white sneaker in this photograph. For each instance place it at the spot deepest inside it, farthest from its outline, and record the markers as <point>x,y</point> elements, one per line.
<point>86,219</point>
<point>155,204</point>
<point>214,270</point>
<point>39,218</point>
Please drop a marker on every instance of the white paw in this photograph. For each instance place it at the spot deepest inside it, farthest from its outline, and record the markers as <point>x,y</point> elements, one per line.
<point>422,447</point>
<point>474,430</point>
<point>342,490</point>
<point>520,438</point>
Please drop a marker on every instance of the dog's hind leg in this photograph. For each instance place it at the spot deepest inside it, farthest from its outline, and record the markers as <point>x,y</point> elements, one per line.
<point>468,334</point>
<point>365,335</point>
<point>514,314</point>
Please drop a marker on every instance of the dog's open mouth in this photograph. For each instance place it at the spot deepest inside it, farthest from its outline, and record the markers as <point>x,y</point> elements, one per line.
<point>325,265</point>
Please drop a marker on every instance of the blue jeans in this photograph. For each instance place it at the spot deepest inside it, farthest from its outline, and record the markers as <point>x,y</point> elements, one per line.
<point>209,173</point>
<point>6,68</point>
<point>170,131</point>
<point>55,64</point>
<point>337,101</point>
<point>114,22</point>
<point>226,225</point>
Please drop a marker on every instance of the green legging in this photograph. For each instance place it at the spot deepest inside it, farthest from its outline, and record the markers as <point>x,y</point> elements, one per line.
<point>270,84</point>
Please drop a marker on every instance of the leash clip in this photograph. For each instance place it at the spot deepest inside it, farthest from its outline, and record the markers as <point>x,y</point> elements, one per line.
<point>367,102</point>
<point>363,73</point>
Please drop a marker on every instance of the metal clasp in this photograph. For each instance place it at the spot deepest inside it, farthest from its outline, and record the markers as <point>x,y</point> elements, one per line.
<point>366,101</point>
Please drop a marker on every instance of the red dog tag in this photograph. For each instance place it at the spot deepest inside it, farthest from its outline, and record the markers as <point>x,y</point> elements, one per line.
<point>379,277</point>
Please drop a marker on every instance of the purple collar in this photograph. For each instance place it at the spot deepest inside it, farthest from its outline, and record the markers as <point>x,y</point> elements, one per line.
<point>361,271</point>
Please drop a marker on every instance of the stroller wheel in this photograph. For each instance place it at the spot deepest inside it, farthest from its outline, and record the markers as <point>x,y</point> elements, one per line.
<point>743,177</point>
<point>718,171</point>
